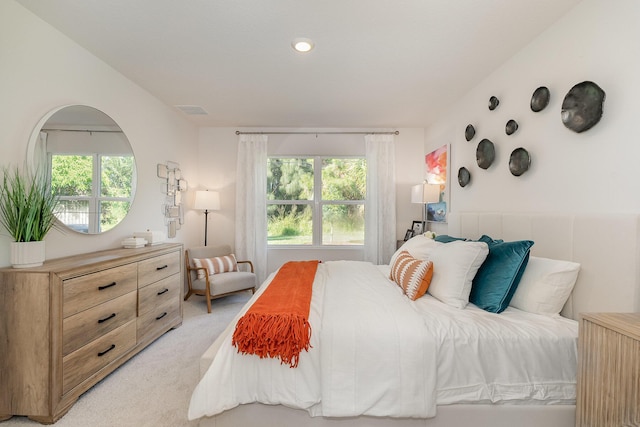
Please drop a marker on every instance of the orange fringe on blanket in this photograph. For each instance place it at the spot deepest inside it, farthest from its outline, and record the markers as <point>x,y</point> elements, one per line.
<point>277,325</point>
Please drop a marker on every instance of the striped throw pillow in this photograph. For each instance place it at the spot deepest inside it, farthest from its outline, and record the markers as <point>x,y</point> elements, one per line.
<point>412,275</point>
<point>216,265</point>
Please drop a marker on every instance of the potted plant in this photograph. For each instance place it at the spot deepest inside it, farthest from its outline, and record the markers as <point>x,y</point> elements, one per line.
<point>27,211</point>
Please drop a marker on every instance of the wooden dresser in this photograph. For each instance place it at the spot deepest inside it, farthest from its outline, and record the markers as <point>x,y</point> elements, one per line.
<point>68,324</point>
<point>608,370</point>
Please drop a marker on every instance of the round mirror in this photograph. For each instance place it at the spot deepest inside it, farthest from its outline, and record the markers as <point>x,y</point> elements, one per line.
<point>89,164</point>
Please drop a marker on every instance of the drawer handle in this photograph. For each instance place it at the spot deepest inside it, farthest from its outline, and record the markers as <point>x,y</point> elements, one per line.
<point>162,268</point>
<point>102,353</point>
<point>164,291</point>
<point>161,316</point>
<point>111,316</point>
<point>103,287</point>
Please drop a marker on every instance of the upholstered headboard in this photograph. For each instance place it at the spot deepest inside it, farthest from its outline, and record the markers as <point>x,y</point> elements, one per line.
<point>606,246</point>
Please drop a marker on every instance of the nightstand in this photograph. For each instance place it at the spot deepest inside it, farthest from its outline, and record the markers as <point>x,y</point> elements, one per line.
<point>608,370</point>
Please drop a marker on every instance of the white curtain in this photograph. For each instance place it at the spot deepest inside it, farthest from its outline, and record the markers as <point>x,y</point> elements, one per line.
<point>380,206</point>
<point>251,204</point>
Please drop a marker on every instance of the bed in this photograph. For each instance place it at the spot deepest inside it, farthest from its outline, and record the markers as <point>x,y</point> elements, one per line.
<point>479,373</point>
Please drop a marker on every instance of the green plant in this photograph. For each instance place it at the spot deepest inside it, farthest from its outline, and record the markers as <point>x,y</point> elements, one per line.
<point>27,206</point>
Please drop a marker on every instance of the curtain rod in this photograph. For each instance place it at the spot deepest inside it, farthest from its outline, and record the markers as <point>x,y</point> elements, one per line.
<point>317,133</point>
<point>81,130</point>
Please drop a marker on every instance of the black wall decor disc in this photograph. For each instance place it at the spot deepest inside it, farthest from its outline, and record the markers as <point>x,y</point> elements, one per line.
<point>582,106</point>
<point>469,132</point>
<point>519,161</point>
<point>485,153</point>
<point>464,177</point>
<point>540,99</point>
<point>511,127</point>
<point>493,103</point>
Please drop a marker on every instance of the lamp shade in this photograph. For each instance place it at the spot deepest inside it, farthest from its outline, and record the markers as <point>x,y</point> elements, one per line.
<point>207,200</point>
<point>425,193</point>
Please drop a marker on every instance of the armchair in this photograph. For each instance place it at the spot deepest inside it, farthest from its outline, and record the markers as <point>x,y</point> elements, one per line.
<point>216,285</point>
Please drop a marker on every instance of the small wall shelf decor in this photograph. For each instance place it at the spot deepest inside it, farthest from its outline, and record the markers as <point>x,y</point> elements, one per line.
<point>540,99</point>
<point>582,106</point>
<point>173,187</point>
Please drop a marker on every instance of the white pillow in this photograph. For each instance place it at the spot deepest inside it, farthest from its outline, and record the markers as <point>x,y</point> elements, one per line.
<point>419,247</point>
<point>545,286</point>
<point>455,264</point>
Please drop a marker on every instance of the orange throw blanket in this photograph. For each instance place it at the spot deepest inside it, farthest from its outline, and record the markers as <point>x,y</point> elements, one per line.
<point>277,324</point>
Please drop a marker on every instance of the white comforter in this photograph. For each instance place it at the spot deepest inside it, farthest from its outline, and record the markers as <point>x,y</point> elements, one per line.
<point>377,353</point>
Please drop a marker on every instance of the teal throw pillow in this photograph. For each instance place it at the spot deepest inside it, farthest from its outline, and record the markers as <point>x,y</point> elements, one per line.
<point>498,277</point>
<point>443,238</point>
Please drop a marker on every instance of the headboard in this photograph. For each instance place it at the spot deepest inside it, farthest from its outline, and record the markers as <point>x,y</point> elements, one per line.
<point>606,245</point>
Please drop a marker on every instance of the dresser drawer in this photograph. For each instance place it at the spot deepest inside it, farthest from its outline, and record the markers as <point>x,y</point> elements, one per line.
<point>82,363</point>
<point>84,327</point>
<point>156,268</point>
<point>159,319</point>
<point>92,289</point>
<point>156,294</point>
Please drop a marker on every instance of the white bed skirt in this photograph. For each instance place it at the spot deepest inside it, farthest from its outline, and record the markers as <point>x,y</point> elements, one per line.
<point>257,414</point>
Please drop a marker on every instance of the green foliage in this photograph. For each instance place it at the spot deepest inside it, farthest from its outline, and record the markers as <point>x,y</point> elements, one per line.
<point>27,206</point>
<point>290,179</point>
<point>344,179</point>
<point>71,175</point>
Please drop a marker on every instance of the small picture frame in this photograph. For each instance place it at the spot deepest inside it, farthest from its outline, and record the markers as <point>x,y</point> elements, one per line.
<point>418,227</point>
<point>408,235</point>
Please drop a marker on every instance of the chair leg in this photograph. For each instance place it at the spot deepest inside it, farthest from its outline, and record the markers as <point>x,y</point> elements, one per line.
<point>186,297</point>
<point>207,295</point>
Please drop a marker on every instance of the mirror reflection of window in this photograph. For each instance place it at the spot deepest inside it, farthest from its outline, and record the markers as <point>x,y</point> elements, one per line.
<point>90,165</point>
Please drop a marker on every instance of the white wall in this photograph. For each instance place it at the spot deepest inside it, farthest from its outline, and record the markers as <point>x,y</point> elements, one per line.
<point>42,69</point>
<point>217,165</point>
<point>594,171</point>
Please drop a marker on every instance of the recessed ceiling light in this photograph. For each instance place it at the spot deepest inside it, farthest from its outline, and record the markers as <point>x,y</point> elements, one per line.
<point>302,45</point>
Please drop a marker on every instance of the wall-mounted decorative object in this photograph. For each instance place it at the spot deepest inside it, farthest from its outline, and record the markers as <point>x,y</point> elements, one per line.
<point>511,127</point>
<point>464,176</point>
<point>485,153</point>
<point>582,106</point>
<point>173,187</point>
<point>469,132</point>
<point>437,212</point>
<point>436,164</point>
<point>519,161</point>
<point>436,173</point>
<point>493,103</point>
<point>540,99</point>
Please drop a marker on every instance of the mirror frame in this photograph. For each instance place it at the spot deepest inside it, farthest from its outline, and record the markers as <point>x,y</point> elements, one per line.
<point>30,160</point>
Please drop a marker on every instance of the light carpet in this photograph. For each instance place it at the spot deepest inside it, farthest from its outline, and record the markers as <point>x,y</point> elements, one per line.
<point>155,386</point>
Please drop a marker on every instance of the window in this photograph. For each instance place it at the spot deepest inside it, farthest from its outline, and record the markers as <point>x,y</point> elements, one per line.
<point>316,201</point>
<point>95,190</point>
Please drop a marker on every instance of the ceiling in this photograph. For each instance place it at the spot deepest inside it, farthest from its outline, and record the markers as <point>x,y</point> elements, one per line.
<point>376,63</point>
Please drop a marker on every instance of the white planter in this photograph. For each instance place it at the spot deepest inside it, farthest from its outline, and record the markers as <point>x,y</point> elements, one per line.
<point>27,254</point>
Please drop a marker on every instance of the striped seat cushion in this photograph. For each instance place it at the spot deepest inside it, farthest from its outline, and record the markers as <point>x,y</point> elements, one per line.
<point>411,274</point>
<point>216,265</point>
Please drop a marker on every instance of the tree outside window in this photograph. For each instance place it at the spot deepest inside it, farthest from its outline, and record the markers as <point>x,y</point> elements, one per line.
<point>316,201</point>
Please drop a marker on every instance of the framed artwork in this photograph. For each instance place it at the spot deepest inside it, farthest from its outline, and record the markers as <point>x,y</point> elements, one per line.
<point>436,171</point>
<point>437,212</point>
<point>417,227</point>
<point>408,235</point>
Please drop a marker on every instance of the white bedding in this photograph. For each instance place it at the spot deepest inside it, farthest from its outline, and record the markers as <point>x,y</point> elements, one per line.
<point>377,353</point>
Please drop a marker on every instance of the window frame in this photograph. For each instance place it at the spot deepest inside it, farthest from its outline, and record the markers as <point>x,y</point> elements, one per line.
<point>316,203</point>
<point>95,199</point>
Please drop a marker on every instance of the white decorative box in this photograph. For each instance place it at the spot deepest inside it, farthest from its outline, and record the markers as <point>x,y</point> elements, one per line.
<point>133,242</point>
<point>153,237</point>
